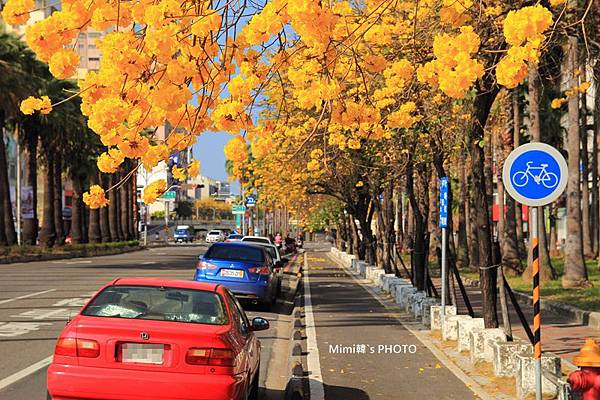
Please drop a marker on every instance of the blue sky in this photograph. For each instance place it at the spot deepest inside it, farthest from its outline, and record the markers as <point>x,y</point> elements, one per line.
<point>209,150</point>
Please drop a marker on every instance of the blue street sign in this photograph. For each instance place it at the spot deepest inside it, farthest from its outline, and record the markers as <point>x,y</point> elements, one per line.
<point>250,201</point>
<point>535,174</point>
<point>444,202</point>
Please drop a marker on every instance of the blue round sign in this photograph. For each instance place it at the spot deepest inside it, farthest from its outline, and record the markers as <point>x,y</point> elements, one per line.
<point>535,174</point>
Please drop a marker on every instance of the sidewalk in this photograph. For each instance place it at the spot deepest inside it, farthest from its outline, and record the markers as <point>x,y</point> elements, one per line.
<point>365,352</point>
<point>559,334</point>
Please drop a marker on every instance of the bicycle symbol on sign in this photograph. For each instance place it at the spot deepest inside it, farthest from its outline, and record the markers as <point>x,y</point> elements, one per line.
<point>548,179</point>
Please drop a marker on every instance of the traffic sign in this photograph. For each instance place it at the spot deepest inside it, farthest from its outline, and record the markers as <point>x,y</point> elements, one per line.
<point>170,195</point>
<point>238,209</point>
<point>444,202</point>
<point>535,174</point>
<point>250,201</point>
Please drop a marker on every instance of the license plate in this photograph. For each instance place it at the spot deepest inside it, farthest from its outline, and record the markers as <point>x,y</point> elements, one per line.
<point>143,353</point>
<point>232,273</point>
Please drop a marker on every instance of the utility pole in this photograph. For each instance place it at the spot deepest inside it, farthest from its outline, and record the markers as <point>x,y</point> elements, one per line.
<point>18,188</point>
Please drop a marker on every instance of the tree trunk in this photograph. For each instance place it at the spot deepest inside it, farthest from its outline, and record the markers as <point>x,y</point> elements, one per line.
<point>417,181</point>
<point>472,228</point>
<point>481,108</point>
<point>575,274</point>
<point>113,211</point>
<point>104,220</point>
<point>399,219</point>
<point>124,206</point>
<point>463,248</point>
<point>133,212</point>
<point>552,242</point>
<point>9,225</point>
<point>588,251</point>
<point>48,230</point>
<point>58,204</point>
<point>595,217</point>
<point>30,226</point>
<point>409,235</point>
<point>435,238</point>
<point>509,243</point>
<point>77,211</point>
<point>547,272</point>
<point>517,119</point>
<point>355,245</point>
<point>596,162</point>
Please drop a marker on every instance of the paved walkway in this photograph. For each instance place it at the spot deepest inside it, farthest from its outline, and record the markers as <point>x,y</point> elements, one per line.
<point>559,335</point>
<point>347,318</point>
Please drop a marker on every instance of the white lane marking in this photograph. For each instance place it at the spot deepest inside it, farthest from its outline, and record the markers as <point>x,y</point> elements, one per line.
<point>317,392</point>
<point>45,313</point>
<point>448,363</point>
<point>12,329</point>
<point>73,262</point>
<point>9,380</point>
<point>26,296</point>
<point>74,302</point>
<point>149,263</point>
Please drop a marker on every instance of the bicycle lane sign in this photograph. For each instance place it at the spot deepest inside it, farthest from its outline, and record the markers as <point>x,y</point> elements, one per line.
<point>535,174</point>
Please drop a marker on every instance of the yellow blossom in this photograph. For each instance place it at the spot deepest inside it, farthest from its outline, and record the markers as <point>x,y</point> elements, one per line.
<point>193,169</point>
<point>154,190</point>
<point>178,173</point>
<point>63,63</point>
<point>16,12</point>
<point>33,104</point>
<point>95,198</point>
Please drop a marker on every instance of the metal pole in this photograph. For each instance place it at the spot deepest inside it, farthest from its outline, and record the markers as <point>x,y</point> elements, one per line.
<point>166,221</point>
<point>145,225</point>
<point>18,189</point>
<point>145,210</point>
<point>444,277</point>
<point>537,346</point>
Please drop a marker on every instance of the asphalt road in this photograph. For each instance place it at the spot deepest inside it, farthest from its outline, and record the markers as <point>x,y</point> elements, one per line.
<point>36,300</point>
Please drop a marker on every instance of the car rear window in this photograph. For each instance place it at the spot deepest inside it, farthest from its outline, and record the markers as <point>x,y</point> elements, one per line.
<point>159,303</point>
<point>255,240</point>
<point>182,232</point>
<point>235,253</point>
<point>214,232</point>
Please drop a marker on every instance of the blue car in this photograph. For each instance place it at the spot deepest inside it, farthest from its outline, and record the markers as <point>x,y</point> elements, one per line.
<point>246,269</point>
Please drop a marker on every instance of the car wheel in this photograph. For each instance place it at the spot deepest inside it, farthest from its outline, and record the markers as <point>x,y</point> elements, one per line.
<point>254,389</point>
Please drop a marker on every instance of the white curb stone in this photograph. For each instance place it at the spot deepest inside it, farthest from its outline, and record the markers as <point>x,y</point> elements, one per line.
<point>436,316</point>
<point>526,374</point>
<point>505,357</point>
<point>465,327</point>
<point>450,326</point>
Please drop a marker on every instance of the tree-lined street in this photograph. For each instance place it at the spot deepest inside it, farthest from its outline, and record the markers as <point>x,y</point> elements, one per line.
<point>38,299</point>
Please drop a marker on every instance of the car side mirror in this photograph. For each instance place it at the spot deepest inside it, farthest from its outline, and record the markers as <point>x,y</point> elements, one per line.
<point>259,324</point>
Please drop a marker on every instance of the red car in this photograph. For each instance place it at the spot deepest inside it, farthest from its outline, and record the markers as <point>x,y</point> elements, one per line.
<point>141,338</point>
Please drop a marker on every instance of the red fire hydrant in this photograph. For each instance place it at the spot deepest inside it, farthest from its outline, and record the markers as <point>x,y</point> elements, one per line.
<point>587,380</point>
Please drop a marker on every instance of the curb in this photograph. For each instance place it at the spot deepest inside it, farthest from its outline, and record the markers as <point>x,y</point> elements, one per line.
<point>297,386</point>
<point>574,314</point>
<point>79,254</point>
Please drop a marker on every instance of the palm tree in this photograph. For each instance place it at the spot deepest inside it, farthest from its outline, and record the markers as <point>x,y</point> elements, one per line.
<point>16,83</point>
<point>575,274</point>
<point>104,220</point>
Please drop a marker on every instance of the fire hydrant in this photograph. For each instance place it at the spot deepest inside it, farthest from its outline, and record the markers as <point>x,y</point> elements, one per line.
<point>587,380</point>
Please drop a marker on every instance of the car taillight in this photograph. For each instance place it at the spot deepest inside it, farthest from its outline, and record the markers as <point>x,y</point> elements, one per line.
<point>206,265</point>
<point>260,270</point>
<point>77,348</point>
<point>204,356</point>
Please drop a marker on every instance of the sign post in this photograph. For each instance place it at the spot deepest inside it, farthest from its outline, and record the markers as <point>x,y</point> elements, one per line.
<point>535,174</point>
<point>444,226</point>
